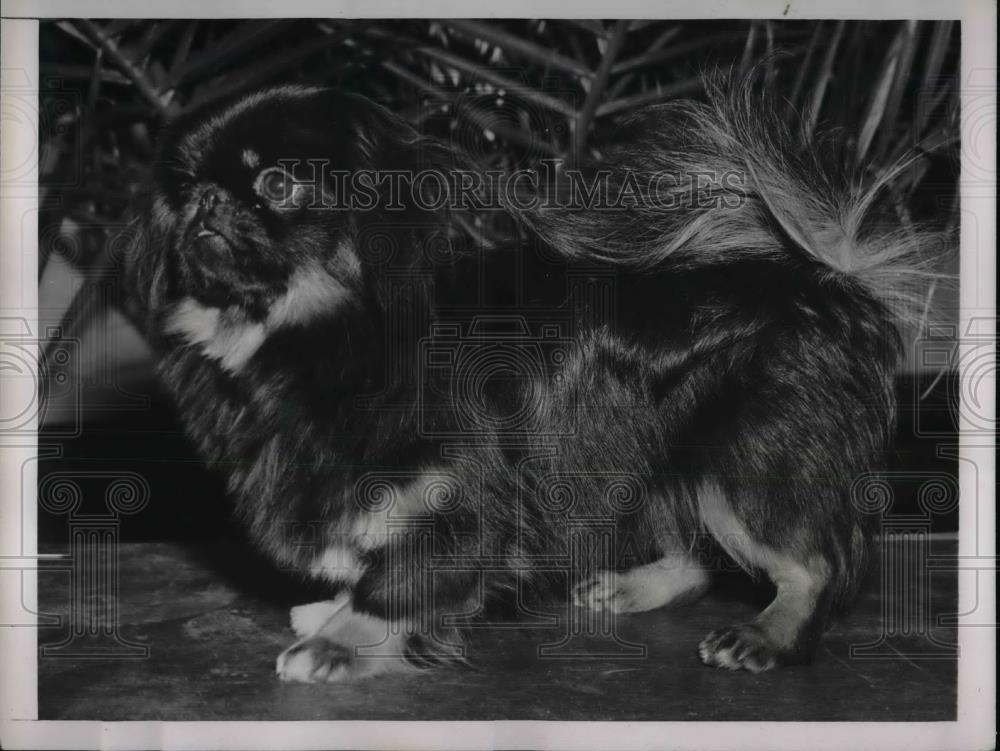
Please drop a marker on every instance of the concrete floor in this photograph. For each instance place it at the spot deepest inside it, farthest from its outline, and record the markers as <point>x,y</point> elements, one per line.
<point>213,620</point>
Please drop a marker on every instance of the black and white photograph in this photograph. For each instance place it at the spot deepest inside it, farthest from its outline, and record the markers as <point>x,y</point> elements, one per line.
<point>458,371</point>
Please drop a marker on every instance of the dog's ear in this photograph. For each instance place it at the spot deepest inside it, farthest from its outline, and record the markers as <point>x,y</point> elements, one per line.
<point>143,259</point>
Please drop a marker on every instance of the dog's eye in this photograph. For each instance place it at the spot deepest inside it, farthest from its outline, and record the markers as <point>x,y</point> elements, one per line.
<point>275,186</point>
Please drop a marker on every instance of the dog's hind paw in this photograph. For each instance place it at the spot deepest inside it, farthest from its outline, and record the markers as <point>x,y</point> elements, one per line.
<point>602,592</point>
<point>672,579</point>
<point>744,647</point>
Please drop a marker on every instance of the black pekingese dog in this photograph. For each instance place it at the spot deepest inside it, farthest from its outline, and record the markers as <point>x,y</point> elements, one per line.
<point>695,339</point>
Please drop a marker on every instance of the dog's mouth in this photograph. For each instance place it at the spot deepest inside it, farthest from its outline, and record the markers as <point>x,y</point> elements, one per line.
<point>203,239</point>
<point>206,234</point>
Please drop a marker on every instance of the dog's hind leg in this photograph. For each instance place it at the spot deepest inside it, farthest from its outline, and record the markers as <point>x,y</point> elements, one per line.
<point>788,629</point>
<point>674,577</point>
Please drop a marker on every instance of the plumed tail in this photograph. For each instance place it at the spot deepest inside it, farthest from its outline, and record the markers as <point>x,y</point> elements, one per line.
<point>727,179</point>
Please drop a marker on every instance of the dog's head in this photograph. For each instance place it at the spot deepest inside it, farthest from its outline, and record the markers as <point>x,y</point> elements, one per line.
<point>290,187</point>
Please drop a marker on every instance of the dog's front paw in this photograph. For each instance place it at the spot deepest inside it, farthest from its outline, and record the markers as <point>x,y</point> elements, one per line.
<point>306,620</point>
<point>314,660</point>
<point>745,647</point>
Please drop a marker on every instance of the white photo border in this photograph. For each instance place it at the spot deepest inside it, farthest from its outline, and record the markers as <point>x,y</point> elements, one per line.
<point>976,718</point>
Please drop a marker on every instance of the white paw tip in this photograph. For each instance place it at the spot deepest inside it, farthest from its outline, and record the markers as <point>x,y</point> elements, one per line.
<point>597,593</point>
<point>295,666</point>
<point>307,619</point>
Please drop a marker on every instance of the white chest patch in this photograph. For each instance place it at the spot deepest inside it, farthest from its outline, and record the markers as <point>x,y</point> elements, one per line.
<point>221,336</point>
<point>337,564</point>
<point>227,336</point>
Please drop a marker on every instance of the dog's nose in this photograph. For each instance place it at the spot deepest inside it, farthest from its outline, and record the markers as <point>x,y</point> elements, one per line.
<point>208,212</point>
<point>209,199</point>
